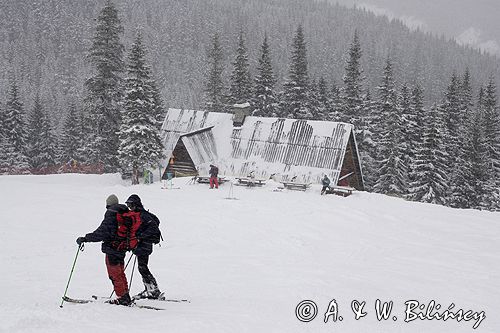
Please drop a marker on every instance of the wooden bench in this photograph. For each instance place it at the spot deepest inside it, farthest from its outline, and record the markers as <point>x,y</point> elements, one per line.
<point>206,180</point>
<point>296,186</point>
<point>244,181</point>
<point>343,191</point>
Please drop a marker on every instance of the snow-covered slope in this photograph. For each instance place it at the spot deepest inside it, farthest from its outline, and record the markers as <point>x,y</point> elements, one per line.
<point>245,264</point>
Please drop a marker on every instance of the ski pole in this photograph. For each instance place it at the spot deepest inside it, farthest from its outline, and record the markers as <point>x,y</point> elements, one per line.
<point>131,255</point>
<point>132,275</point>
<point>80,248</point>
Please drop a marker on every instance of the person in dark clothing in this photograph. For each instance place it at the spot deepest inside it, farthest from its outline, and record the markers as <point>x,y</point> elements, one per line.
<point>214,176</point>
<point>106,233</point>
<point>147,235</point>
<point>326,184</point>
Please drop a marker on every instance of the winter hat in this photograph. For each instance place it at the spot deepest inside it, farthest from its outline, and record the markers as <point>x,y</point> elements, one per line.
<point>111,200</point>
<point>135,200</point>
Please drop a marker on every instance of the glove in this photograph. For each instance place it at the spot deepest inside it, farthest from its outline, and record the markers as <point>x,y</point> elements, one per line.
<point>80,240</point>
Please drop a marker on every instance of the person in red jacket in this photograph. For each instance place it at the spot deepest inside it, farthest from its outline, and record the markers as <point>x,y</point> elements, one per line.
<point>214,176</point>
<point>107,234</point>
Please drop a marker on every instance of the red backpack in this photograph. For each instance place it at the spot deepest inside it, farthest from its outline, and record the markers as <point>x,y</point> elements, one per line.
<point>128,223</point>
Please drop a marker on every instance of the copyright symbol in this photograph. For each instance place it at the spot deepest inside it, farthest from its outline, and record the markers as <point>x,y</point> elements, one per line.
<point>306,311</point>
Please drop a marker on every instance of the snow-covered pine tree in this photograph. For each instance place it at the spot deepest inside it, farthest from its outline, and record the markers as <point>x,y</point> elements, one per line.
<point>6,148</point>
<point>404,102</point>
<point>41,141</point>
<point>313,97</point>
<point>393,171</point>
<point>105,89</point>
<point>335,108</point>
<point>70,139</point>
<point>492,141</point>
<point>462,184</point>
<point>264,101</point>
<point>15,132</point>
<point>324,100</point>
<point>415,129</point>
<point>352,90</point>
<point>140,142</point>
<point>431,181</point>
<point>453,117</point>
<point>365,136</point>
<point>295,101</point>
<point>214,85</point>
<point>240,91</point>
<point>466,98</point>
<point>479,157</point>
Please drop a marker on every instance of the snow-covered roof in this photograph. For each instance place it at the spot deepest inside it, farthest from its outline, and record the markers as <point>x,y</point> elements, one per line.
<point>285,147</point>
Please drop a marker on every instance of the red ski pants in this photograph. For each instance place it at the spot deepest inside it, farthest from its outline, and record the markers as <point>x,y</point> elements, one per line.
<point>116,273</point>
<point>214,180</point>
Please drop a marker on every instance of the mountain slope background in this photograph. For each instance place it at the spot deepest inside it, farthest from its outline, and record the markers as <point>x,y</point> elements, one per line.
<point>44,44</point>
<point>244,264</point>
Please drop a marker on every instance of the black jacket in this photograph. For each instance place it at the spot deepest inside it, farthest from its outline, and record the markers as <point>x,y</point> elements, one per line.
<point>214,171</point>
<point>148,233</point>
<point>106,232</point>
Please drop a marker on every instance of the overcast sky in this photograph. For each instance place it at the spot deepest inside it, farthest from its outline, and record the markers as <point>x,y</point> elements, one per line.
<point>473,22</point>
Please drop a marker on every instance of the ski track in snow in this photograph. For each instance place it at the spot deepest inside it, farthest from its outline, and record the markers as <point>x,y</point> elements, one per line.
<point>244,264</point>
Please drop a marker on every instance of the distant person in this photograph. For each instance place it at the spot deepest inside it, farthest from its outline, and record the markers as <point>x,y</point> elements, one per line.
<point>113,248</point>
<point>326,184</point>
<point>147,234</point>
<point>214,176</point>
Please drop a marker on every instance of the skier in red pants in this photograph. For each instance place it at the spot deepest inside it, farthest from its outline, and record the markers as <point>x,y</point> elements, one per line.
<point>214,176</point>
<point>107,234</point>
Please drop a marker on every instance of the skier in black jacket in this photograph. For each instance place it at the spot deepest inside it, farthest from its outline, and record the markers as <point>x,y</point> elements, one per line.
<point>147,235</point>
<point>106,233</point>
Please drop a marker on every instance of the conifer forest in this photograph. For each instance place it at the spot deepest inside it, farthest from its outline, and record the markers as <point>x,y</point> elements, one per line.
<point>85,85</point>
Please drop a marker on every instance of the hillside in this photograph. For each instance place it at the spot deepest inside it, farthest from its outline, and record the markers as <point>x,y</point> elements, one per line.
<point>44,44</point>
<point>245,264</point>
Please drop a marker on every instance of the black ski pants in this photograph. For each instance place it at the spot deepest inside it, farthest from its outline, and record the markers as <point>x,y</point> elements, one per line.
<point>142,264</point>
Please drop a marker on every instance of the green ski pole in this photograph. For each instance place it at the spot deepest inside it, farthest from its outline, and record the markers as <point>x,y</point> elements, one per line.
<point>80,248</point>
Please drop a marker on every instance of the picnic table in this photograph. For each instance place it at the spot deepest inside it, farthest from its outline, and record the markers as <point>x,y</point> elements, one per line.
<point>296,186</point>
<point>343,191</point>
<point>245,181</point>
<point>206,179</point>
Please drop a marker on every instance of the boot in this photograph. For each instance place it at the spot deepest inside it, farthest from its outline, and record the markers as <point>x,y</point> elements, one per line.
<point>124,300</point>
<point>151,291</point>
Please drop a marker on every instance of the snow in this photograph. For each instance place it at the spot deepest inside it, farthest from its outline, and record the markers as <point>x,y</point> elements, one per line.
<point>245,264</point>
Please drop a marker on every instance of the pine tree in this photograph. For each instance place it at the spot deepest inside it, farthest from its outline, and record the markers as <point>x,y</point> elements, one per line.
<point>415,129</point>
<point>352,89</point>
<point>491,127</point>
<point>295,103</point>
<point>479,157</point>
<point>324,100</point>
<point>264,101</point>
<point>15,132</point>
<point>241,84</point>
<point>335,108</point>
<point>393,173</point>
<point>214,86</point>
<point>404,103</point>
<point>70,140</point>
<point>41,141</point>
<point>140,142</point>
<point>431,180</point>
<point>365,136</point>
<point>462,188</point>
<point>452,116</point>
<point>105,89</point>
<point>6,148</point>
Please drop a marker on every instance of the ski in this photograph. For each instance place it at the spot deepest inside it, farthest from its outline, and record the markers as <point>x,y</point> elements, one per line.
<point>161,298</point>
<point>138,298</point>
<point>94,300</point>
